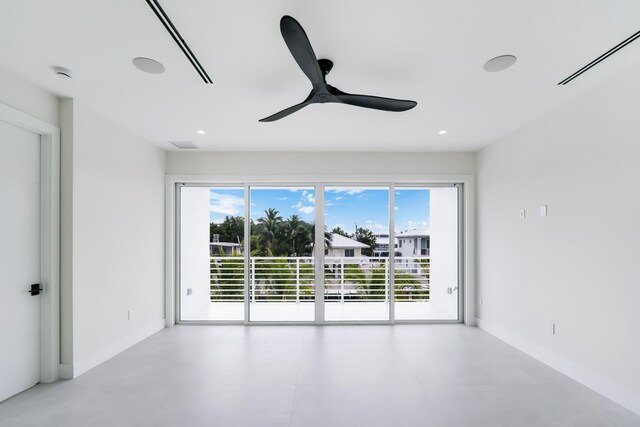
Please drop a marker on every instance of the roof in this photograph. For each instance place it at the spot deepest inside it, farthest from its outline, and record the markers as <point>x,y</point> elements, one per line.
<point>338,241</point>
<point>421,232</point>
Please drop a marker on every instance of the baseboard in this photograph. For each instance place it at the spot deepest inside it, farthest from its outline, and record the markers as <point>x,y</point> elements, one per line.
<point>619,394</point>
<point>82,366</point>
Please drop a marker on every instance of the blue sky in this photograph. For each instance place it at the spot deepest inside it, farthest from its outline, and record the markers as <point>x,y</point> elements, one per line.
<point>344,206</point>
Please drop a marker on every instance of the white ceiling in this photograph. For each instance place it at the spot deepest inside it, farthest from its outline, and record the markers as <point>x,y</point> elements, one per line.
<point>428,51</point>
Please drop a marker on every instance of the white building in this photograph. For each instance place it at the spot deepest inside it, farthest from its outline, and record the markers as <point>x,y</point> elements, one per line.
<point>342,246</point>
<point>218,248</point>
<point>414,242</point>
<point>382,245</point>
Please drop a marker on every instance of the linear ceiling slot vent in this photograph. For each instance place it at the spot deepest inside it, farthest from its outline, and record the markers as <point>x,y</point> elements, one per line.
<point>600,58</point>
<point>162,16</point>
<point>184,145</point>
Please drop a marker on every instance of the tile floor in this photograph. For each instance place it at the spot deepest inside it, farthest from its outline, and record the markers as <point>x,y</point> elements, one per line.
<point>403,375</point>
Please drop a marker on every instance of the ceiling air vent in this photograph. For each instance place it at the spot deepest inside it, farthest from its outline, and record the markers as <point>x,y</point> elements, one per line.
<point>184,145</point>
<point>173,31</point>
<point>600,58</point>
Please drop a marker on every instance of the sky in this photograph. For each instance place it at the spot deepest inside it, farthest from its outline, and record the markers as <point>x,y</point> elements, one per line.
<point>344,206</point>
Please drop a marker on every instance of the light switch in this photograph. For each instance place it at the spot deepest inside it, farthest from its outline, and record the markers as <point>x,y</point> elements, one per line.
<point>543,210</point>
<point>523,214</point>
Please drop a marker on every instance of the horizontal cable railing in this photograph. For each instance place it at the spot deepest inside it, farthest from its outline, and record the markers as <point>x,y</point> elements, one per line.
<point>346,279</point>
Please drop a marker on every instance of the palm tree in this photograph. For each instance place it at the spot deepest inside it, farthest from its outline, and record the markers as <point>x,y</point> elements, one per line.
<point>327,236</point>
<point>298,235</point>
<point>269,228</point>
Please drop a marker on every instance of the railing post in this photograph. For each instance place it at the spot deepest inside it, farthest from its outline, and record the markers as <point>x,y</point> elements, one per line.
<point>386,280</point>
<point>253,280</point>
<point>297,280</point>
<point>341,279</point>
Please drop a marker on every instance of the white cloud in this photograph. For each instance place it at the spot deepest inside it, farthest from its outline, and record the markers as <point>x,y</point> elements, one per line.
<point>374,226</point>
<point>304,209</point>
<point>395,208</point>
<point>347,190</point>
<point>281,198</point>
<point>226,204</point>
<point>311,198</point>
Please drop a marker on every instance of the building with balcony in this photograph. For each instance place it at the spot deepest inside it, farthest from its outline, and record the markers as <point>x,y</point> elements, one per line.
<point>414,242</point>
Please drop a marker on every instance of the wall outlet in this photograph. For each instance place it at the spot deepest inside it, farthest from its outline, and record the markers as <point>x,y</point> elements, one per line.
<point>543,210</point>
<point>552,328</point>
<point>129,314</point>
<point>189,291</point>
<point>523,214</point>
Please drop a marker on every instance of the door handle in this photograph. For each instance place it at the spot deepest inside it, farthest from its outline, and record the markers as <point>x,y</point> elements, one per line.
<point>35,289</point>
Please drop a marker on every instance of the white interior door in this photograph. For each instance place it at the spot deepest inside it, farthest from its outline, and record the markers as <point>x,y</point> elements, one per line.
<point>19,259</point>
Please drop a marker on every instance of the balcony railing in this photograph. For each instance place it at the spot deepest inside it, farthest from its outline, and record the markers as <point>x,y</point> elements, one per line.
<point>292,279</point>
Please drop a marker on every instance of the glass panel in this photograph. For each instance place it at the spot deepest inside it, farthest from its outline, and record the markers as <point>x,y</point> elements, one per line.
<point>282,275</point>
<point>211,253</point>
<point>426,262</point>
<point>357,266</point>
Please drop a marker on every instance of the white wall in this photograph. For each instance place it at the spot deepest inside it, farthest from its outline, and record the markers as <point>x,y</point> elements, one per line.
<point>116,253</point>
<point>343,164</point>
<point>30,99</point>
<point>577,267</point>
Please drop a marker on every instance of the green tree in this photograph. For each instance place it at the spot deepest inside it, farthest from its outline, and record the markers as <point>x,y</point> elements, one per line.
<point>365,236</point>
<point>327,235</point>
<point>298,235</point>
<point>340,231</point>
<point>269,230</point>
<point>231,229</point>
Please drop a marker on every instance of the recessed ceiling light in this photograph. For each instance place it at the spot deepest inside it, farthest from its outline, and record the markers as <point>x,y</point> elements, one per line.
<point>148,65</point>
<point>442,132</point>
<point>62,72</point>
<point>201,132</point>
<point>499,63</point>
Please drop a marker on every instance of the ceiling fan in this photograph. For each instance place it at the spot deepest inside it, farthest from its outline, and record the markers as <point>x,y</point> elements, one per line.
<point>316,71</point>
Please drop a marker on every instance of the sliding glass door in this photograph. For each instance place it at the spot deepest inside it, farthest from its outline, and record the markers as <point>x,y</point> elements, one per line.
<point>249,253</point>
<point>426,260</point>
<point>356,273</point>
<point>281,254</point>
<point>211,260</point>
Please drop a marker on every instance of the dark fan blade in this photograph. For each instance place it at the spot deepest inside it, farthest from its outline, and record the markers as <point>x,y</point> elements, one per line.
<point>284,113</point>
<point>376,102</point>
<point>300,47</point>
<point>386,104</point>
